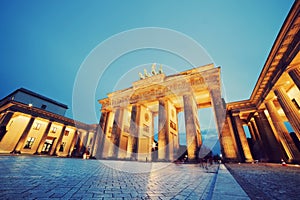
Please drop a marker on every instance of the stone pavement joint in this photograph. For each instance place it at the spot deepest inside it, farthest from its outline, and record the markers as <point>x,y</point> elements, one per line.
<point>61,178</point>
<point>226,186</point>
<point>268,180</point>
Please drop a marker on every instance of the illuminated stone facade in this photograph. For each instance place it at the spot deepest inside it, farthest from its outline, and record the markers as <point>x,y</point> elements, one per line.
<point>126,125</point>
<point>34,124</point>
<point>274,101</point>
<point>126,129</point>
<point>127,120</point>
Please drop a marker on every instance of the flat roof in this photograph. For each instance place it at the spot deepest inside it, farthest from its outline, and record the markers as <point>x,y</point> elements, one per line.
<point>36,95</point>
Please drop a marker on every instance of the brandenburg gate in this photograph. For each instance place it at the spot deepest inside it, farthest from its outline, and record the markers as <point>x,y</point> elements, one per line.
<point>127,116</point>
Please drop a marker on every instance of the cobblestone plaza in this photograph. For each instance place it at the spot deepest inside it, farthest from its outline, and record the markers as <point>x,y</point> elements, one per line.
<point>29,177</point>
<point>134,150</point>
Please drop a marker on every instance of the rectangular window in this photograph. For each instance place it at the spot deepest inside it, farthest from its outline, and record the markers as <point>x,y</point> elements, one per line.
<point>37,126</point>
<point>53,129</point>
<point>67,132</point>
<point>29,143</point>
<point>91,141</point>
<point>43,107</point>
<point>62,147</point>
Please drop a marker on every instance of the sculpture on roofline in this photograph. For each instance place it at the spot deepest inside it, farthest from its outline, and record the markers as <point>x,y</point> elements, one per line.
<point>146,73</point>
<point>141,76</point>
<point>153,71</point>
<point>160,71</point>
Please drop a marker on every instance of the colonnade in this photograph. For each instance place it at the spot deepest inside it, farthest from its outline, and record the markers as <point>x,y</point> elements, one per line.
<point>126,126</point>
<point>29,134</point>
<point>270,138</point>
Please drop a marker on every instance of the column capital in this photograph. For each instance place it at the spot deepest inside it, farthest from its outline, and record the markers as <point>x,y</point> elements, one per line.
<point>235,113</point>
<point>277,87</point>
<point>289,108</point>
<point>255,114</point>
<point>292,67</point>
<point>104,110</point>
<point>214,87</point>
<point>6,118</point>
<point>252,119</point>
<point>294,73</point>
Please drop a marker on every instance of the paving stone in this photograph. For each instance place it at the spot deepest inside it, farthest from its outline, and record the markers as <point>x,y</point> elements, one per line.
<point>103,195</point>
<point>32,177</point>
<point>268,181</point>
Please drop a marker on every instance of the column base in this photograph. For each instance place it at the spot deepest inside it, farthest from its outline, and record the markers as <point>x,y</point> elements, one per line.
<point>15,152</point>
<point>249,161</point>
<point>163,160</point>
<point>293,161</point>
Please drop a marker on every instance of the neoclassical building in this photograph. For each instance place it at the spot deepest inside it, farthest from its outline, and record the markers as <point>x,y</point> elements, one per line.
<point>34,124</point>
<point>273,106</point>
<point>126,124</point>
<point>127,120</point>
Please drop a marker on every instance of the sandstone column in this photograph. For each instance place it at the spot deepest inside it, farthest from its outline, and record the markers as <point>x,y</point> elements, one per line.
<point>295,75</point>
<point>163,130</point>
<point>269,142</point>
<point>88,134</point>
<point>116,131</point>
<point>259,149</point>
<point>59,141</point>
<point>289,109</point>
<point>254,142</point>
<point>6,118</point>
<point>242,137</point>
<point>219,108</point>
<point>134,131</point>
<point>96,142</point>
<point>79,144</point>
<point>107,141</point>
<point>190,125</point>
<point>4,123</point>
<point>224,125</point>
<point>23,137</point>
<point>101,132</point>
<point>153,145</point>
<point>228,142</point>
<point>176,155</point>
<point>252,132</point>
<point>285,138</point>
<point>43,139</point>
<point>255,130</point>
<point>73,143</point>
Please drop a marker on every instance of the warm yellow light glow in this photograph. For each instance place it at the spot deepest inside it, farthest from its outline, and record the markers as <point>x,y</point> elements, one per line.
<point>154,145</point>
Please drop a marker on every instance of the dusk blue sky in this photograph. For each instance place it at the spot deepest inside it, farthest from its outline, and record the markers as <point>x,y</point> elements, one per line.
<point>44,43</point>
